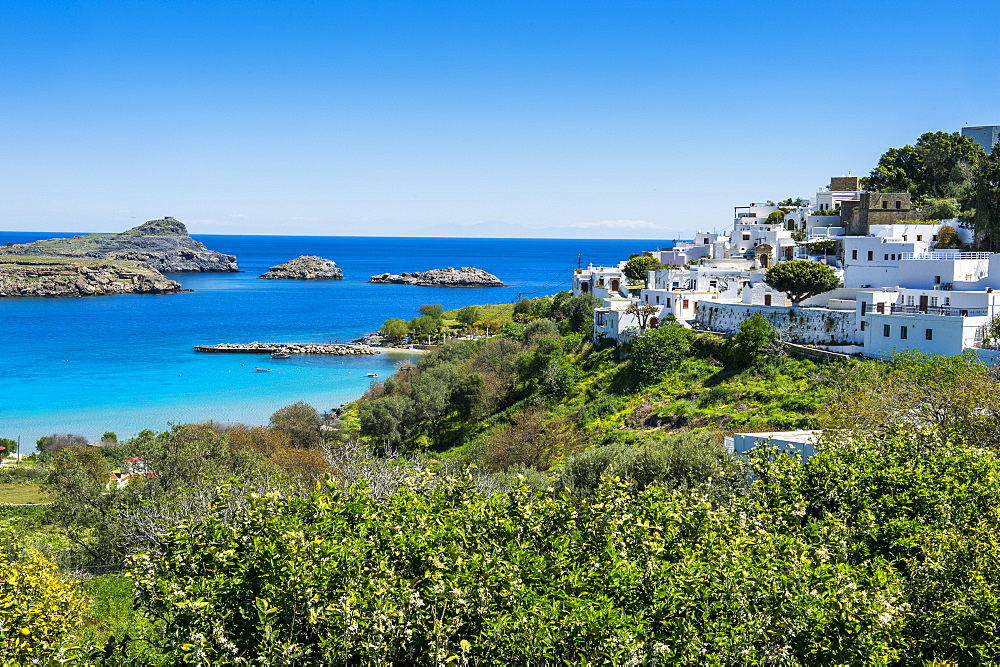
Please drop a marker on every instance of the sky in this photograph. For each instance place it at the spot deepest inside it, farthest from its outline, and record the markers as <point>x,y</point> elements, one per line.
<point>504,118</point>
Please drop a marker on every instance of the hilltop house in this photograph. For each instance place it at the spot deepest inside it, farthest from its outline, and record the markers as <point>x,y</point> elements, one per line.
<point>602,282</point>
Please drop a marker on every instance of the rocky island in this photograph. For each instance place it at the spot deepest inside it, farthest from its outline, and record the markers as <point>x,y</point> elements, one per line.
<point>466,276</point>
<point>163,244</point>
<point>306,267</point>
<point>60,276</point>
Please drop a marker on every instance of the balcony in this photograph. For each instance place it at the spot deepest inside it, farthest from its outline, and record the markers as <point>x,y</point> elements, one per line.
<point>948,311</point>
<point>946,254</point>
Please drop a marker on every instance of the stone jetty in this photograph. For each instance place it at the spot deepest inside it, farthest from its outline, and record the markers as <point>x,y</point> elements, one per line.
<point>340,349</point>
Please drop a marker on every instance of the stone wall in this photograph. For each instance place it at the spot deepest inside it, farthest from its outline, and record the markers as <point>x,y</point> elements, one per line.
<point>858,218</point>
<point>817,326</point>
<point>845,183</point>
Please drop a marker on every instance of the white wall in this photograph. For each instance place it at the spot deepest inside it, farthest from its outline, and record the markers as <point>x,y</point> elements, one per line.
<point>798,325</point>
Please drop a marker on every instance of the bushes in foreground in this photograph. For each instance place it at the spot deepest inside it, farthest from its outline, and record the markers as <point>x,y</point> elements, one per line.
<point>876,551</point>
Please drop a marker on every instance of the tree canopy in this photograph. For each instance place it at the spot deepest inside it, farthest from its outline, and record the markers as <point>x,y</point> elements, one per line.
<point>801,279</point>
<point>986,201</point>
<point>941,164</point>
<point>637,267</point>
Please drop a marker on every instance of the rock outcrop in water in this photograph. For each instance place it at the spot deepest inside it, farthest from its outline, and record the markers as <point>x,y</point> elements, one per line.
<point>53,276</point>
<point>306,267</point>
<point>463,277</point>
<point>163,244</point>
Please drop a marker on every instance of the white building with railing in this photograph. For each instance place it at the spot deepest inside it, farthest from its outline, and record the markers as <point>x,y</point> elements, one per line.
<point>943,269</point>
<point>933,321</point>
<point>873,261</point>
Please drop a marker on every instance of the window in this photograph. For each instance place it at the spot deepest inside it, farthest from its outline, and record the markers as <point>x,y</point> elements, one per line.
<point>920,237</point>
<point>885,204</point>
<point>928,334</point>
<point>947,301</point>
<point>767,299</point>
<point>657,299</point>
<point>937,280</point>
<point>746,237</point>
<point>885,330</point>
<point>899,204</point>
<point>863,325</point>
<point>713,284</point>
<point>871,255</point>
<point>687,304</point>
<point>904,237</point>
<point>854,254</point>
<point>668,302</point>
<point>892,257</point>
<point>599,318</point>
<point>864,308</point>
<point>902,332</point>
<point>934,302</point>
<point>909,300</point>
<point>934,238</point>
<point>886,257</point>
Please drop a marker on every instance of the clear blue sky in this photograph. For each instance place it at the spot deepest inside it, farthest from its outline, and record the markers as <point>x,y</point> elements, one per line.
<point>408,118</point>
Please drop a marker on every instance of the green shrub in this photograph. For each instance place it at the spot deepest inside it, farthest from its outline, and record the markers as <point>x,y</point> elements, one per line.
<point>657,351</point>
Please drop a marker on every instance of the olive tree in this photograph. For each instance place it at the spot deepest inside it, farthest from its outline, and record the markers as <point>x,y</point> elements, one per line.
<point>301,422</point>
<point>801,279</point>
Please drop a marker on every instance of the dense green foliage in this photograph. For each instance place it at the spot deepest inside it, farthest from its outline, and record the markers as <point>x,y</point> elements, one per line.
<point>860,556</point>
<point>756,336</point>
<point>939,165</point>
<point>986,201</point>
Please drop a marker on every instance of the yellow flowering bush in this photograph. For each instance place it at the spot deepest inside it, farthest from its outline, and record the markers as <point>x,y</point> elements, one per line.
<point>38,606</point>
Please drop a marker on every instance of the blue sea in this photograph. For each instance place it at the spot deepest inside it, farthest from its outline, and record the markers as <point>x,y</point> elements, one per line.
<point>125,363</point>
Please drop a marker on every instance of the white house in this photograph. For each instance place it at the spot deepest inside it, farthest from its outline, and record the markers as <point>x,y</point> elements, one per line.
<point>612,322</point>
<point>873,261</point>
<point>602,281</point>
<point>945,322</point>
<point>943,268</point>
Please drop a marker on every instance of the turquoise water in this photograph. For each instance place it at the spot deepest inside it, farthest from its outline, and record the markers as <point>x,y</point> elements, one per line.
<point>125,363</point>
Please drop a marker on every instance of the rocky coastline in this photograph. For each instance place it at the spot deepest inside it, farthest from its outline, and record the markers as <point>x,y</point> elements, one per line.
<point>466,276</point>
<point>305,267</point>
<point>57,277</point>
<point>163,244</point>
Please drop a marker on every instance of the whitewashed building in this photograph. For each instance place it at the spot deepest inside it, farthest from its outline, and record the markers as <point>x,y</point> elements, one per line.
<point>601,281</point>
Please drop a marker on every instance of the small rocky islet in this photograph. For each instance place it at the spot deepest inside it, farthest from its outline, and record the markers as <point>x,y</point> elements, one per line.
<point>305,267</point>
<point>466,276</point>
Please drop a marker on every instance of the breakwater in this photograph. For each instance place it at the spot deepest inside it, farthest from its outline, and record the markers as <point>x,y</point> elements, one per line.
<point>338,349</point>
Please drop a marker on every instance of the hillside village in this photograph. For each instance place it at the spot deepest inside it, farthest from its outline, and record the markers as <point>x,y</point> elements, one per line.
<point>907,282</point>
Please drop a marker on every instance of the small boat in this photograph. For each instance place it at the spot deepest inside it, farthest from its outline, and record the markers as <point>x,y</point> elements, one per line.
<point>373,375</point>
<point>280,355</point>
<point>263,370</point>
